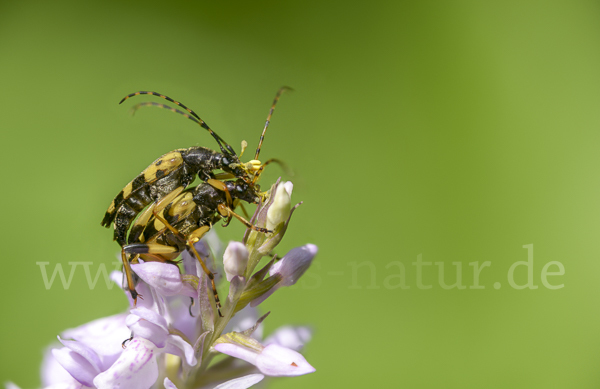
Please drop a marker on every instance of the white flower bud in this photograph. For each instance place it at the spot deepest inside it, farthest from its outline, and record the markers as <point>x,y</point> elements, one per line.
<point>235,260</point>
<point>279,212</point>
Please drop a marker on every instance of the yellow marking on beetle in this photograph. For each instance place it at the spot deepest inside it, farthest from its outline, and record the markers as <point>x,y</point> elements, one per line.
<point>196,235</point>
<point>158,225</point>
<point>183,206</point>
<point>158,221</point>
<point>159,257</point>
<point>127,190</point>
<point>111,209</point>
<point>144,217</point>
<point>168,199</point>
<point>160,249</point>
<point>220,185</point>
<point>167,163</point>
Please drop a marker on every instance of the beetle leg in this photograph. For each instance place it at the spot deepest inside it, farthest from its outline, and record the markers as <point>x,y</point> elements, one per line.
<point>238,203</point>
<point>165,222</point>
<point>223,187</point>
<point>154,209</point>
<point>162,203</point>
<point>149,248</point>
<point>128,274</point>
<point>225,211</point>
<point>155,251</point>
<point>148,252</point>
<point>220,185</point>
<point>124,344</point>
<point>191,306</point>
<point>224,176</point>
<point>194,237</point>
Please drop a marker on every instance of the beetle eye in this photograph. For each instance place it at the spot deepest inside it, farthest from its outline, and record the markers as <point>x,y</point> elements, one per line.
<point>225,161</point>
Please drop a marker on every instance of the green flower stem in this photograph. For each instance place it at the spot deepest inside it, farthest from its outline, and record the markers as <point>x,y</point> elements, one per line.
<point>230,304</point>
<point>254,258</point>
<point>254,242</point>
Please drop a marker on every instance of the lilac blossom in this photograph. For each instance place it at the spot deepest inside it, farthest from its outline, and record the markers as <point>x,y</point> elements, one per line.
<point>163,341</point>
<point>273,360</point>
<point>289,269</point>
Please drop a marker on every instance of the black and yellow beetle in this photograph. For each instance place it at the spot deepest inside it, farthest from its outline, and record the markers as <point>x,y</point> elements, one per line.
<point>178,168</point>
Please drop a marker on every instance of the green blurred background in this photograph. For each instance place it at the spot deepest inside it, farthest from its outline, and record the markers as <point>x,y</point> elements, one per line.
<point>459,131</point>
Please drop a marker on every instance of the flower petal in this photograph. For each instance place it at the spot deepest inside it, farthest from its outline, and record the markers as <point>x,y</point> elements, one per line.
<point>53,372</point>
<point>179,315</point>
<point>117,277</point>
<point>68,385</point>
<point>213,243</point>
<point>177,346</point>
<point>242,382</point>
<point>84,351</point>
<point>104,336</point>
<point>136,368</point>
<point>79,367</point>
<point>164,277</point>
<point>190,263</point>
<point>149,325</point>
<point>293,265</point>
<point>279,361</point>
<point>151,316</point>
<point>146,301</point>
<point>237,351</point>
<point>168,384</point>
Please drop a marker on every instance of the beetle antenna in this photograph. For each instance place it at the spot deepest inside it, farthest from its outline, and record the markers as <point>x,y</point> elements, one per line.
<point>225,148</point>
<point>262,136</point>
<point>282,164</point>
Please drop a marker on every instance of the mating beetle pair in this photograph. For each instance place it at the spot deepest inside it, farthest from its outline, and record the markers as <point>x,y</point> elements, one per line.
<point>170,218</point>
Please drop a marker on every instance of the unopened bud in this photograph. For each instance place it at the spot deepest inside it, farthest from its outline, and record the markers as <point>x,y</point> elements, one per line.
<point>235,260</point>
<point>293,265</point>
<point>279,212</point>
